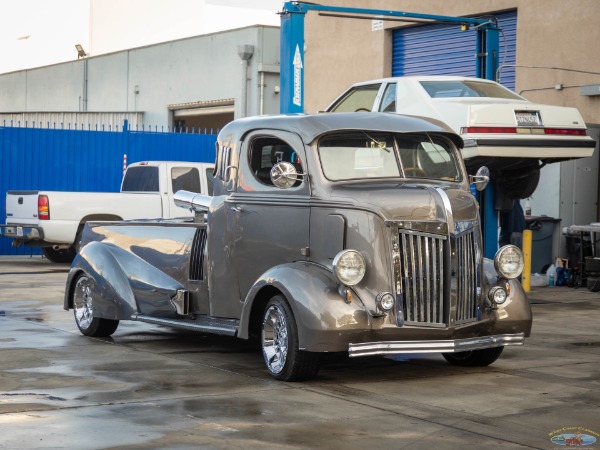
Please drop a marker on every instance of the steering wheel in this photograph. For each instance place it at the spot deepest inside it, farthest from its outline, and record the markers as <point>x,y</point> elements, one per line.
<point>362,109</point>
<point>416,171</point>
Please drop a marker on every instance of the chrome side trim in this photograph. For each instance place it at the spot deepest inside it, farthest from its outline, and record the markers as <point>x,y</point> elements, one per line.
<point>447,207</point>
<point>446,346</point>
<point>226,327</point>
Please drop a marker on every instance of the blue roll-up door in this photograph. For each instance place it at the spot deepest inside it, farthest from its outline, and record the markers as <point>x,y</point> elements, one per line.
<point>446,50</point>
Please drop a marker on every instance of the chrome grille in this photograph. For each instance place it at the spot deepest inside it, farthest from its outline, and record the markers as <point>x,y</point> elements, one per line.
<point>435,276</point>
<point>466,277</point>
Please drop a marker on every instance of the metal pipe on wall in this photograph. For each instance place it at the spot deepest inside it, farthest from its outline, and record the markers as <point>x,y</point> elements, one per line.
<point>245,52</point>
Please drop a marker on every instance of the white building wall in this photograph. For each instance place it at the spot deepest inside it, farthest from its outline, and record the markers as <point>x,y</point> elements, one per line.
<point>148,79</point>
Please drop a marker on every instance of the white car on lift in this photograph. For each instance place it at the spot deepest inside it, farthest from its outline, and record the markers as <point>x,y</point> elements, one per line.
<point>510,135</point>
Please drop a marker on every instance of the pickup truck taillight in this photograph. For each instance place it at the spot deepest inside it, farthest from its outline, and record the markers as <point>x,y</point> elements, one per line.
<point>43,207</point>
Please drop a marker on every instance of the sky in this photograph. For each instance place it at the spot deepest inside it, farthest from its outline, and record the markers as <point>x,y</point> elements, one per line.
<point>36,33</point>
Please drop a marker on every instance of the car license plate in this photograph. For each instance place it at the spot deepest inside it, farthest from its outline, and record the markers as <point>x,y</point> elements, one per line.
<point>20,231</point>
<point>528,118</point>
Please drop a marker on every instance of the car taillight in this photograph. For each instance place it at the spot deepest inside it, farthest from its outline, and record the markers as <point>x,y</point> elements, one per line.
<point>43,207</point>
<point>565,131</point>
<point>524,130</point>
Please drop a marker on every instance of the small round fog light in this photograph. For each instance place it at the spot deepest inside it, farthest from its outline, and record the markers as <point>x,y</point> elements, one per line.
<point>498,295</point>
<point>385,301</point>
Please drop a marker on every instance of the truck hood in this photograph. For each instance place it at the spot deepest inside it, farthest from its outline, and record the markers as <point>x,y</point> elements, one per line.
<point>411,201</point>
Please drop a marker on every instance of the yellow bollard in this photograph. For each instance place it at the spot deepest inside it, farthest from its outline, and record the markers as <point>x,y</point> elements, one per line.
<point>526,276</point>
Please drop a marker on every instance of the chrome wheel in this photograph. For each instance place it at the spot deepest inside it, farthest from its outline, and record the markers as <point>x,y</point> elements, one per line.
<point>281,352</point>
<point>275,339</point>
<point>82,301</point>
<point>82,304</point>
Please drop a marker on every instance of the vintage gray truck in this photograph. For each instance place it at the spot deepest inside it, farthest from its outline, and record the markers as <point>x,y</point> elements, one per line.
<point>336,232</point>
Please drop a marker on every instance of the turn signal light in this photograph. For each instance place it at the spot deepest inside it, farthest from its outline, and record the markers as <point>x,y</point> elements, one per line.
<point>43,207</point>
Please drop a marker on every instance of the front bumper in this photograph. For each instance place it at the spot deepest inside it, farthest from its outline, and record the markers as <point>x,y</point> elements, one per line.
<point>22,232</point>
<point>435,346</point>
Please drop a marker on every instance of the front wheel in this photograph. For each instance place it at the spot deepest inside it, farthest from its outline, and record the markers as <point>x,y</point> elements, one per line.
<point>280,344</point>
<point>474,358</point>
<point>83,309</point>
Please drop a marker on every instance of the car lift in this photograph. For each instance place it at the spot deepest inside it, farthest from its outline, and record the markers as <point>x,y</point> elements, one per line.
<point>292,69</point>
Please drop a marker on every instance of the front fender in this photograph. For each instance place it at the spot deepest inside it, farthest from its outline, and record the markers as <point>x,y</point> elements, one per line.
<point>123,284</point>
<point>321,314</point>
<point>514,315</point>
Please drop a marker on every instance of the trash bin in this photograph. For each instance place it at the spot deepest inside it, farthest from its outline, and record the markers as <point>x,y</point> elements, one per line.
<point>542,246</point>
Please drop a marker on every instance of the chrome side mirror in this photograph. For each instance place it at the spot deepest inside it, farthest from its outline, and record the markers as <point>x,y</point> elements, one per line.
<point>481,178</point>
<point>284,175</point>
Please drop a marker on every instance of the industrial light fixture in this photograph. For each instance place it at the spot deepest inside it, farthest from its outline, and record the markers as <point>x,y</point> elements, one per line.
<point>80,51</point>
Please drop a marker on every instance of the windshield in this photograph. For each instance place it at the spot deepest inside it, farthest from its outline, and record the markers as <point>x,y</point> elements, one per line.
<point>467,89</point>
<point>366,155</point>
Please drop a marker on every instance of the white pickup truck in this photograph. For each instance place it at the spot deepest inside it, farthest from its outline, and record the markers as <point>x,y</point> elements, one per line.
<point>54,220</point>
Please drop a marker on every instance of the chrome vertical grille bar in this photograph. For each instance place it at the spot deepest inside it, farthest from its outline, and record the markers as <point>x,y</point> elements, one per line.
<point>467,279</point>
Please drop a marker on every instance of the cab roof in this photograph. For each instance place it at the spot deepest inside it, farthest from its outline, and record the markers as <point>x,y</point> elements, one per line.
<point>311,126</point>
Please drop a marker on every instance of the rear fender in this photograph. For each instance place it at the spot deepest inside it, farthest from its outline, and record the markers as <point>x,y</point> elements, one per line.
<point>312,293</point>
<point>122,283</point>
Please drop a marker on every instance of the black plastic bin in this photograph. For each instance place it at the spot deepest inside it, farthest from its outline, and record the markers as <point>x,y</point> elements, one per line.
<point>542,228</point>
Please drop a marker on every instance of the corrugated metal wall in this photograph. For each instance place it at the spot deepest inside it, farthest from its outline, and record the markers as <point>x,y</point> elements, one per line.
<point>82,160</point>
<point>446,50</point>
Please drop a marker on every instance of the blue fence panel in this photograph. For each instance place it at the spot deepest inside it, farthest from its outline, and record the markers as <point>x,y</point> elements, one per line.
<point>80,159</point>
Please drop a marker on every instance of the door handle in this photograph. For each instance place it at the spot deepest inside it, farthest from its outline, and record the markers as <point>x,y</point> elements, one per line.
<point>237,209</point>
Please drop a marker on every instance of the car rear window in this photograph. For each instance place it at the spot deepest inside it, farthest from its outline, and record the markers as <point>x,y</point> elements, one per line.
<point>141,179</point>
<point>467,89</point>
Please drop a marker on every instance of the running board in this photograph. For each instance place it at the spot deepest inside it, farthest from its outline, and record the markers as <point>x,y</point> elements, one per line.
<point>205,324</point>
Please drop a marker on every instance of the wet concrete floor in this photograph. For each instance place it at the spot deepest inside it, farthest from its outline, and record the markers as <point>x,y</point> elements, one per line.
<point>153,387</point>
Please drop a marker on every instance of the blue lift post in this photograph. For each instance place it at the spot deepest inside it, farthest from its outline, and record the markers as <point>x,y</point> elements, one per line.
<point>292,70</point>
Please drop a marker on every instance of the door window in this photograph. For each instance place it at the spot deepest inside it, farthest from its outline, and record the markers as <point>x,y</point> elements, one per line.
<point>388,103</point>
<point>265,152</point>
<point>185,178</point>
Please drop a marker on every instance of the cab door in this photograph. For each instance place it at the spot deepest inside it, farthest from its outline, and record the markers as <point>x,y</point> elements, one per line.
<point>271,224</point>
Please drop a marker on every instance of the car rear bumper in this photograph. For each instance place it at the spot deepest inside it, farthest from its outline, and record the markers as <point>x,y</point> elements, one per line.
<point>555,149</point>
<point>435,346</point>
<point>22,232</point>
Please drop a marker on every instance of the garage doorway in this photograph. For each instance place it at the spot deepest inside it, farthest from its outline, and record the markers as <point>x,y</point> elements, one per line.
<point>202,117</point>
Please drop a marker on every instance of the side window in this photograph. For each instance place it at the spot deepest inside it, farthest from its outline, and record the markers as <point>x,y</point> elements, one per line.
<point>388,103</point>
<point>141,179</point>
<point>359,98</point>
<point>185,178</point>
<point>265,152</point>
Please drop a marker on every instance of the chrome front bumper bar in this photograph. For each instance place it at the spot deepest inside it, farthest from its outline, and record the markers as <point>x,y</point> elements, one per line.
<point>448,346</point>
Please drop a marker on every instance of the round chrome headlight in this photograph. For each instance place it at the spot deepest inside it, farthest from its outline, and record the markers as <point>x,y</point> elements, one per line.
<point>385,301</point>
<point>498,295</point>
<point>509,261</point>
<point>349,267</point>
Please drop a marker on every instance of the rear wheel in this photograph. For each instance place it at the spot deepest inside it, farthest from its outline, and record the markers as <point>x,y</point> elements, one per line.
<point>474,358</point>
<point>59,256</point>
<point>280,344</point>
<point>83,309</point>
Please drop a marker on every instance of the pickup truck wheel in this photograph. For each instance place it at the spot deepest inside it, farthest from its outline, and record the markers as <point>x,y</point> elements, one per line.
<point>59,256</point>
<point>83,309</point>
<point>280,344</point>
<point>474,358</point>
